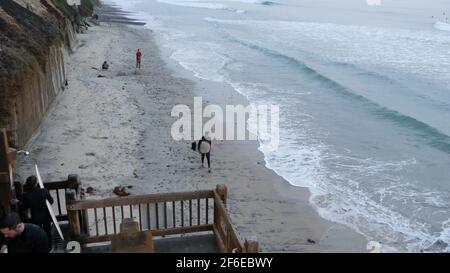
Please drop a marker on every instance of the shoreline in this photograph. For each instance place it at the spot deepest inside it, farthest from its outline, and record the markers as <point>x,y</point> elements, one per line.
<point>334,237</point>
<point>116,131</point>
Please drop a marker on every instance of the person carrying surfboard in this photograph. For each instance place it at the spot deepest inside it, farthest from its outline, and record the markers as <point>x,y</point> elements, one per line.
<point>35,200</point>
<point>204,147</point>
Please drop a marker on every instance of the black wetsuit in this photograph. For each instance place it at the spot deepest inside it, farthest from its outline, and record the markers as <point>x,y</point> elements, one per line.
<point>208,155</point>
<point>35,200</point>
<point>32,240</point>
<point>2,211</point>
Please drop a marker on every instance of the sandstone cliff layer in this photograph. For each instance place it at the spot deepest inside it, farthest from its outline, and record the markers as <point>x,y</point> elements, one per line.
<point>34,37</point>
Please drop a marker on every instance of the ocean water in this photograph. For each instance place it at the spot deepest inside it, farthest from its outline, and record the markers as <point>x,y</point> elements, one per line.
<point>364,94</point>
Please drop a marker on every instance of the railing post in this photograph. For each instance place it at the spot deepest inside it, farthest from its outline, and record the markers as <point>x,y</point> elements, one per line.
<point>223,193</point>
<point>131,240</point>
<point>216,215</point>
<point>228,241</point>
<point>251,245</point>
<point>84,220</point>
<point>73,179</point>
<point>18,187</point>
<point>5,164</point>
<point>74,219</point>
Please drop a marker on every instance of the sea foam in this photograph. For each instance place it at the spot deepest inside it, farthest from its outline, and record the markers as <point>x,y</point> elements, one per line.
<point>442,26</point>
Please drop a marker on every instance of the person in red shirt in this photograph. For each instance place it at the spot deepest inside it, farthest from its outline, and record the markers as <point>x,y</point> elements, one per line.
<point>138,58</point>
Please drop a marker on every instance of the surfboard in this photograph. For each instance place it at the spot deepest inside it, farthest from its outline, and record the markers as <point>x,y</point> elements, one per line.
<point>11,178</point>
<point>204,147</point>
<point>49,206</point>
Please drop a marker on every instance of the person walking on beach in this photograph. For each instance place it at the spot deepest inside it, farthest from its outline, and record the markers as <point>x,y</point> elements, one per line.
<point>35,200</point>
<point>138,58</point>
<point>22,238</point>
<point>204,148</point>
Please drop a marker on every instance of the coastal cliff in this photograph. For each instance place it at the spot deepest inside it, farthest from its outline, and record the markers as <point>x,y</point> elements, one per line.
<point>34,38</point>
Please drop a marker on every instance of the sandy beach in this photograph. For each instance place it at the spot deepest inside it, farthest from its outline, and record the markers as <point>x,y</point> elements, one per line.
<point>115,130</point>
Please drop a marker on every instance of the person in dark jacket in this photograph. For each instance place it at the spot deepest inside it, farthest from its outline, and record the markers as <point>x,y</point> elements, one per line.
<point>105,65</point>
<point>35,200</point>
<point>204,148</point>
<point>22,238</point>
<point>2,211</point>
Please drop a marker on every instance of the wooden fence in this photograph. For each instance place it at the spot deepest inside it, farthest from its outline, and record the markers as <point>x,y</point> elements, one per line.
<point>92,221</point>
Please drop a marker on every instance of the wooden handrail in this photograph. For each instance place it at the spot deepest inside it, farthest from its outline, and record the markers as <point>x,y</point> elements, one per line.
<point>141,199</point>
<point>155,233</point>
<point>71,183</point>
<point>6,161</point>
<point>60,185</point>
<point>225,229</point>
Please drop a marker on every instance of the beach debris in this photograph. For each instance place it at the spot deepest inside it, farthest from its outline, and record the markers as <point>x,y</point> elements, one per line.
<point>120,191</point>
<point>90,154</point>
<point>95,137</point>
<point>83,167</point>
<point>135,174</point>
<point>311,241</point>
<point>101,76</point>
<point>89,190</point>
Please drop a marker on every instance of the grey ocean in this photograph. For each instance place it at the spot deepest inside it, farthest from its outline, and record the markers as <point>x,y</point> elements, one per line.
<point>364,96</point>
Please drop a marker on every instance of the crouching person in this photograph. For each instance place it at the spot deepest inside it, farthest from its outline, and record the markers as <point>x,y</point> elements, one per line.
<point>22,238</point>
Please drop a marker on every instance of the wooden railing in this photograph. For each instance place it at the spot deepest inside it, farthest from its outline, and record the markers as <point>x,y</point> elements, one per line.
<point>92,221</point>
<point>226,235</point>
<point>8,158</point>
<point>58,191</point>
